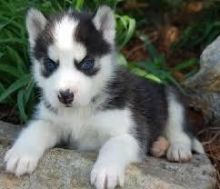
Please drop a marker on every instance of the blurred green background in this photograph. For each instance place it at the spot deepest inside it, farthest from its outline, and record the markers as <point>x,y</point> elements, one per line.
<point>157,39</point>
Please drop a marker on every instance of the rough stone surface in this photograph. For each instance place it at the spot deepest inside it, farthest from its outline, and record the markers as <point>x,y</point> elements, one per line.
<point>204,86</point>
<point>68,169</point>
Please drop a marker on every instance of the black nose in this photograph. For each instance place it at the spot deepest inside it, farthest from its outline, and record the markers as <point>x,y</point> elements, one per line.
<point>66,97</point>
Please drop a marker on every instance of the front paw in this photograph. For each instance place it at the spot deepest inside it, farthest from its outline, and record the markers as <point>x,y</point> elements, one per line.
<point>107,176</point>
<point>20,160</point>
<point>179,152</point>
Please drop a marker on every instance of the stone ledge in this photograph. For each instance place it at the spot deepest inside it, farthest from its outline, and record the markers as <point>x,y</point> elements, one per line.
<point>65,169</point>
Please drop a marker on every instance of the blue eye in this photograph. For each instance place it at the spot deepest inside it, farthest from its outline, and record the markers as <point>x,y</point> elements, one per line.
<point>87,64</point>
<point>50,65</point>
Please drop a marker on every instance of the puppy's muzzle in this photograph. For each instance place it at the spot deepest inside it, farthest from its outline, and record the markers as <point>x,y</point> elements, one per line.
<point>66,97</point>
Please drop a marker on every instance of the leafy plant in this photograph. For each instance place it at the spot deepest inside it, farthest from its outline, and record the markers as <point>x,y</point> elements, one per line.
<point>155,67</point>
<point>202,29</point>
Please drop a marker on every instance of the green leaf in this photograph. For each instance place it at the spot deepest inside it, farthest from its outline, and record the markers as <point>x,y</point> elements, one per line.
<point>15,57</point>
<point>9,70</point>
<point>1,54</point>
<point>150,48</point>
<point>3,24</point>
<point>146,75</point>
<point>126,27</point>
<point>29,90</point>
<point>11,40</point>
<point>79,4</point>
<point>121,59</point>
<point>2,88</point>
<point>21,104</point>
<point>15,86</point>
<point>186,64</point>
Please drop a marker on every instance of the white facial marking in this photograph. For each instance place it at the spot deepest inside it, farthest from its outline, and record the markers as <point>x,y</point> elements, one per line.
<point>65,42</point>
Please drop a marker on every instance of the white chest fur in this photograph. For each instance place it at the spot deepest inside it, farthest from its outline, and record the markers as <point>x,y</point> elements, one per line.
<point>86,128</point>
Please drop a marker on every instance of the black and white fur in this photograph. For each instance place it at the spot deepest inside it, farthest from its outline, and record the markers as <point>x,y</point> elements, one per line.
<point>113,111</point>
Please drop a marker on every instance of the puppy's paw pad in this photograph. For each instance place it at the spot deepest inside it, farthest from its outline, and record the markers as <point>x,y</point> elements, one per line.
<point>159,147</point>
<point>179,152</point>
<point>107,177</point>
<point>19,162</point>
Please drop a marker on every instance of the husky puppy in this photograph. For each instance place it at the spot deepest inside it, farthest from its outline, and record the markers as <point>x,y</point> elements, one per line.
<point>92,103</point>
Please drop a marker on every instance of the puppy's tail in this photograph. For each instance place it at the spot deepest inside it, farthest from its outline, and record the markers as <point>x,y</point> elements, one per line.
<point>197,146</point>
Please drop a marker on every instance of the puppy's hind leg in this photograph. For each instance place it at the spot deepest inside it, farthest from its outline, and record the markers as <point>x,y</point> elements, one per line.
<point>180,140</point>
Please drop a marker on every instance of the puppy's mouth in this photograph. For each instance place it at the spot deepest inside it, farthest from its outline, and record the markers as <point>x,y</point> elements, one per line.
<point>68,105</point>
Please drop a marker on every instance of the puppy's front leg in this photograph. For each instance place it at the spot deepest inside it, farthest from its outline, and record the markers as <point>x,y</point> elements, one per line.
<point>114,156</point>
<point>31,144</point>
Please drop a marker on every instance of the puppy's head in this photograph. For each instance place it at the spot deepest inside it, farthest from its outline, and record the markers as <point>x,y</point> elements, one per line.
<point>72,54</point>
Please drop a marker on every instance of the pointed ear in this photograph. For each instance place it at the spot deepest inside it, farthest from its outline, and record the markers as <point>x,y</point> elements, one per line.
<point>35,23</point>
<point>104,21</point>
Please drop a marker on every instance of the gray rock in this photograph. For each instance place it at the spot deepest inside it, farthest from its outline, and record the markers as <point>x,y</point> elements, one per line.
<point>204,86</point>
<point>65,169</point>
<point>207,78</point>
